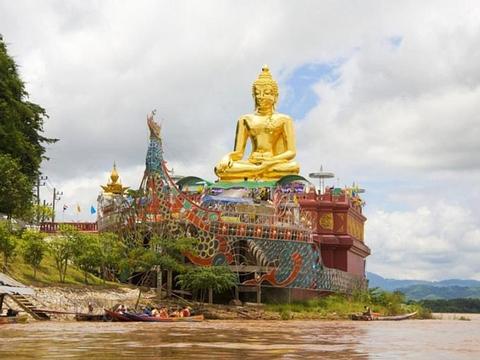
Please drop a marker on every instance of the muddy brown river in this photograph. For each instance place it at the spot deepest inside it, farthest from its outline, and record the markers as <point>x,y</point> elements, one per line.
<point>411,339</point>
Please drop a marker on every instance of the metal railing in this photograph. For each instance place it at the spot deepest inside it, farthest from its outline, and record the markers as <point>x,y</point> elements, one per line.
<point>49,227</point>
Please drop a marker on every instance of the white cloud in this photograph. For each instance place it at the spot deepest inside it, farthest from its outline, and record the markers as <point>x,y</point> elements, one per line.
<point>431,242</point>
<point>402,120</point>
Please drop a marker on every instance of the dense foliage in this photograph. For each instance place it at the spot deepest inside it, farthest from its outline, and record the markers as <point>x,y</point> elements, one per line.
<point>15,188</point>
<point>429,292</point>
<point>21,128</point>
<point>100,254</point>
<point>202,278</point>
<point>453,305</point>
<point>8,242</point>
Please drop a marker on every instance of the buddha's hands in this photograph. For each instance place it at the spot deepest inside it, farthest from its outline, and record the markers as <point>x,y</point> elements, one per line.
<point>225,163</point>
<point>260,157</point>
<point>267,164</point>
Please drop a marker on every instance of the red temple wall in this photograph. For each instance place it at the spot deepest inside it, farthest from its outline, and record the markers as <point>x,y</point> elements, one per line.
<point>338,229</point>
<point>356,264</point>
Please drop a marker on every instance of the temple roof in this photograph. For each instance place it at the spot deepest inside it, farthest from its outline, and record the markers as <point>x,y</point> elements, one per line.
<point>114,186</point>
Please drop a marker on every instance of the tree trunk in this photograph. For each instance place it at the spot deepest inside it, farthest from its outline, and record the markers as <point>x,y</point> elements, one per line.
<point>159,281</point>
<point>34,273</point>
<point>210,295</point>
<point>138,298</point>
<point>169,282</point>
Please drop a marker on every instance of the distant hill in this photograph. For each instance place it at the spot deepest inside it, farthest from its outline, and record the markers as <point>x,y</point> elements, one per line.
<point>422,289</point>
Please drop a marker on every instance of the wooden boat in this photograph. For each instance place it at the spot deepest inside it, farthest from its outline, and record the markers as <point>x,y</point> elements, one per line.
<point>116,316</point>
<point>398,317</point>
<point>89,317</point>
<point>364,317</point>
<point>148,318</point>
<point>22,319</point>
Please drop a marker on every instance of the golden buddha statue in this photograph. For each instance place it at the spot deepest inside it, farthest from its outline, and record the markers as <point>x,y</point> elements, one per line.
<point>272,137</point>
<point>114,186</point>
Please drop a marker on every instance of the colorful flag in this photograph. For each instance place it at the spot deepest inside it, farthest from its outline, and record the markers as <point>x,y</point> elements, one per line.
<point>92,210</point>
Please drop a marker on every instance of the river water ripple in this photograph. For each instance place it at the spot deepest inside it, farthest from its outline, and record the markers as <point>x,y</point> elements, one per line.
<point>412,339</point>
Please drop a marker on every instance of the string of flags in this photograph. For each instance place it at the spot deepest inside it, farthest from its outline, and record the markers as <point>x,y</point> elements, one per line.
<point>78,209</point>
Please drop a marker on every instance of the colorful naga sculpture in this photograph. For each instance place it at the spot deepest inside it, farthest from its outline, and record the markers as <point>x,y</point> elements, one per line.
<point>262,235</point>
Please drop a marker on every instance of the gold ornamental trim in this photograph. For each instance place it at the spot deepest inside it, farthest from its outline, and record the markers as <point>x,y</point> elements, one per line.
<point>326,221</point>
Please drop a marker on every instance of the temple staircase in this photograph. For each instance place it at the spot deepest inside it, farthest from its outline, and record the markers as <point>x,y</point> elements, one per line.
<point>27,303</point>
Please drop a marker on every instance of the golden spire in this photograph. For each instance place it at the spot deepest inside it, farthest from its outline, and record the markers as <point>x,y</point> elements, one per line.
<point>114,186</point>
<point>114,175</point>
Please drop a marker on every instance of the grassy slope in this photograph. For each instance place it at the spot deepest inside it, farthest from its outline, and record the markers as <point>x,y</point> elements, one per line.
<point>47,274</point>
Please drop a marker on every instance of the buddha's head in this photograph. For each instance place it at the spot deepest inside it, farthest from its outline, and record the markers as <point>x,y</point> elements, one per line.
<point>265,91</point>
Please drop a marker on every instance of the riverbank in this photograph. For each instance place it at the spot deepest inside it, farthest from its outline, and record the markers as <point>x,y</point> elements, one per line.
<point>75,299</point>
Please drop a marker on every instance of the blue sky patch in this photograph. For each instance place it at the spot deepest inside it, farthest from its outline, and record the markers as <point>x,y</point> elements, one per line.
<point>395,41</point>
<point>299,97</point>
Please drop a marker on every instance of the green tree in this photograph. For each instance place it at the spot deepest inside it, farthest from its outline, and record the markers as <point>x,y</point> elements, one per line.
<point>171,255</point>
<point>202,278</point>
<point>38,213</point>
<point>139,259</point>
<point>112,251</point>
<point>62,249</point>
<point>21,127</point>
<point>87,253</point>
<point>15,188</point>
<point>34,248</point>
<point>171,251</point>
<point>8,243</point>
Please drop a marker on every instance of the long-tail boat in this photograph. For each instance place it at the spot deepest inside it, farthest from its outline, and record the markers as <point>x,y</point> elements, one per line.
<point>365,317</point>
<point>148,318</point>
<point>116,316</point>
<point>19,319</point>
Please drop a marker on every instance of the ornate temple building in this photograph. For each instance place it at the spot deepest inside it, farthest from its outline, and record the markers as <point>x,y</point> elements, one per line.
<point>283,238</point>
<point>338,230</point>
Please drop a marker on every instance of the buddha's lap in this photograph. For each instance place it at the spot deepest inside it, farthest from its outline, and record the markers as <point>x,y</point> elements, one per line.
<point>244,165</point>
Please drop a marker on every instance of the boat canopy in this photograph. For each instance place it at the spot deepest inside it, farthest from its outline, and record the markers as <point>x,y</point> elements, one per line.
<point>11,286</point>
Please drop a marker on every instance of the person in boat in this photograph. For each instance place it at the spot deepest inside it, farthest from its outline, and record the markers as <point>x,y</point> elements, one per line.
<point>90,308</point>
<point>121,309</point>
<point>154,312</point>
<point>11,312</point>
<point>368,313</point>
<point>185,311</point>
<point>175,313</point>
<point>148,311</point>
<point>163,313</point>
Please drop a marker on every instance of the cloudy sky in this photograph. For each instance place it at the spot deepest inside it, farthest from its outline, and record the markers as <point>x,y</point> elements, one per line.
<point>386,94</point>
